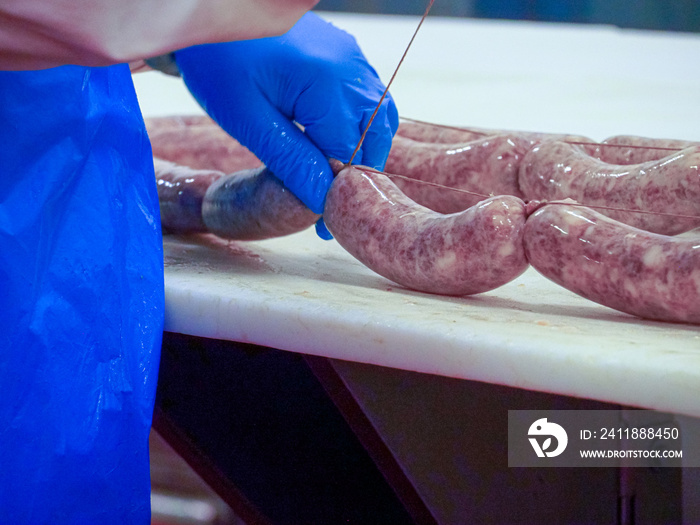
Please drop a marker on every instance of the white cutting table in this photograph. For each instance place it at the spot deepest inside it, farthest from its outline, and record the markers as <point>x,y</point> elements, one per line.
<point>305,295</point>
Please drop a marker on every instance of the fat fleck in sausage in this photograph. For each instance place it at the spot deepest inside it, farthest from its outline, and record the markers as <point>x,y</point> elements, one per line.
<point>641,273</point>
<point>464,253</point>
<point>557,170</point>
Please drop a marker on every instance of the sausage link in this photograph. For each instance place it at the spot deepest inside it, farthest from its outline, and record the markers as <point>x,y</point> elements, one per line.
<point>198,142</point>
<point>155,125</point>
<point>557,170</point>
<point>252,205</point>
<point>181,192</point>
<point>643,149</point>
<point>437,134</point>
<point>434,133</point>
<point>248,204</point>
<point>641,273</point>
<point>464,253</point>
<point>488,165</point>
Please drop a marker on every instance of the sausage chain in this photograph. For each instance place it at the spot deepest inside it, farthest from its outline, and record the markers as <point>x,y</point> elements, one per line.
<point>399,230</point>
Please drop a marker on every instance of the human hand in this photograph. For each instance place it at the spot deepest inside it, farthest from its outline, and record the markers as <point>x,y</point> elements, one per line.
<point>314,75</point>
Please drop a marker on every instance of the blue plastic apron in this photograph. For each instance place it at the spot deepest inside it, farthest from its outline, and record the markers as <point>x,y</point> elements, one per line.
<point>81,298</point>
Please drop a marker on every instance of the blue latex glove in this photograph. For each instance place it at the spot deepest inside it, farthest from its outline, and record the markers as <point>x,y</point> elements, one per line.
<point>315,75</point>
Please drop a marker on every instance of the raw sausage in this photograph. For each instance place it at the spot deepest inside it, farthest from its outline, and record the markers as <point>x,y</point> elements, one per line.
<point>438,134</point>
<point>252,205</point>
<point>485,166</point>
<point>195,196</point>
<point>426,132</point>
<point>155,125</point>
<point>245,205</point>
<point>643,149</point>
<point>557,170</point>
<point>464,253</point>
<point>181,191</point>
<point>484,162</point>
<point>641,273</point>
<point>198,142</point>
<point>488,165</point>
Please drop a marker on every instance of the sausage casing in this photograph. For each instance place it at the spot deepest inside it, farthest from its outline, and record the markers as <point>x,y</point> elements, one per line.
<point>632,149</point>
<point>671,185</point>
<point>181,191</point>
<point>253,205</point>
<point>463,253</point>
<point>487,166</point>
<point>198,142</point>
<point>641,273</point>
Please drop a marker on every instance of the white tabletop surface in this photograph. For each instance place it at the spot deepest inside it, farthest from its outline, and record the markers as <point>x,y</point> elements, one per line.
<point>305,295</point>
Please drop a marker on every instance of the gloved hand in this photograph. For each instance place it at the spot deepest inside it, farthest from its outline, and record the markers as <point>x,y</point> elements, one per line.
<point>314,75</point>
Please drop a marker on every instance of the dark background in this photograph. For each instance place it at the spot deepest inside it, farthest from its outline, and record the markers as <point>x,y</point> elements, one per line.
<point>668,15</point>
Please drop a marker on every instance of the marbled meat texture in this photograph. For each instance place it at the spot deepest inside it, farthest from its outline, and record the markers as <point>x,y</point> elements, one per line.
<point>198,142</point>
<point>463,253</point>
<point>487,166</point>
<point>641,273</point>
<point>640,149</point>
<point>435,133</point>
<point>557,170</point>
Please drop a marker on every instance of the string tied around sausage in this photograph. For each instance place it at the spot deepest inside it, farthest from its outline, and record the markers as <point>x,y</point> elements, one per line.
<point>534,205</point>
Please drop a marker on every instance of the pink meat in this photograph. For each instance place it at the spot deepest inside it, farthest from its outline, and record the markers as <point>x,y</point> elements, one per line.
<point>641,273</point>
<point>426,132</point>
<point>642,149</point>
<point>463,253</point>
<point>487,166</point>
<point>438,134</point>
<point>198,142</point>
<point>557,170</point>
<point>155,125</point>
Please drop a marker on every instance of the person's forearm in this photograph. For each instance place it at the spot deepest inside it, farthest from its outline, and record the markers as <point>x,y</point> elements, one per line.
<point>38,34</point>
